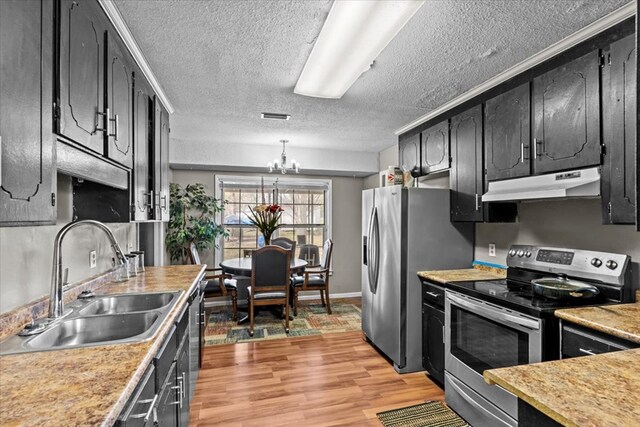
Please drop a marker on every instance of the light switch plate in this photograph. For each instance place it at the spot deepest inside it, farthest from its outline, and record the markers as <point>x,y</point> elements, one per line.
<point>93,259</point>
<point>492,249</point>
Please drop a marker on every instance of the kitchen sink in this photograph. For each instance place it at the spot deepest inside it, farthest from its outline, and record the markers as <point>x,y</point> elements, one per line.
<point>127,303</point>
<point>102,320</point>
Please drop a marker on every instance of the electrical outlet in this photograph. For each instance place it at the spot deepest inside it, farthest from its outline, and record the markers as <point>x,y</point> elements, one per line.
<point>93,259</point>
<point>492,249</point>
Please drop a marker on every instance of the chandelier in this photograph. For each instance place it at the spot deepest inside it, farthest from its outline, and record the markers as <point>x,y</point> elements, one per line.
<point>281,164</point>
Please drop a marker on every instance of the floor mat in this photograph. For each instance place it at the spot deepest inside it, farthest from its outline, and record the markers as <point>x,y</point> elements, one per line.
<point>312,319</point>
<point>430,414</point>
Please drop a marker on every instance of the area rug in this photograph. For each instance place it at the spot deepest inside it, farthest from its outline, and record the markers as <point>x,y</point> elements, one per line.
<point>430,414</point>
<point>312,319</point>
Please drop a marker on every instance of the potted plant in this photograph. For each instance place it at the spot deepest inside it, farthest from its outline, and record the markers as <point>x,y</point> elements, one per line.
<point>192,220</point>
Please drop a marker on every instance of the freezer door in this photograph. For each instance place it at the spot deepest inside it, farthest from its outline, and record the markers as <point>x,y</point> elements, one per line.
<point>388,304</point>
<point>367,296</point>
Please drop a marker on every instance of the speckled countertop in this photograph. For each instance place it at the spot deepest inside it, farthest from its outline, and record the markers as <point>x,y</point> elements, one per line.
<point>478,272</point>
<point>600,390</point>
<point>88,386</point>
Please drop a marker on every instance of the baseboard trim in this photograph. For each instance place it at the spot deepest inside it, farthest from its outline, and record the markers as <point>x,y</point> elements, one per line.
<point>316,295</point>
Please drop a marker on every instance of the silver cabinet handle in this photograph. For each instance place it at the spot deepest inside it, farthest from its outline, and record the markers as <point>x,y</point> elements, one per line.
<point>105,121</point>
<point>589,352</point>
<point>432,294</point>
<point>146,415</point>
<point>115,121</point>
<point>535,147</point>
<point>477,202</point>
<point>164,202</point>
<point>522,152</point>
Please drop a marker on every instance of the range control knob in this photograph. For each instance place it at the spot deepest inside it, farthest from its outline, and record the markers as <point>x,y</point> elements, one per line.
<point>596,262</point>
<point>611,264</point>
<point>512,252</point>
<point>527,254</point>
<point>520,253</point>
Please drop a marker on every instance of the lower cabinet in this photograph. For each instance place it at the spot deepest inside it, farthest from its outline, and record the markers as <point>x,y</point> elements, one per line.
<point>578,341</point>
<point>142,407</point>
<point>169,399</point>
<point>433,330</point>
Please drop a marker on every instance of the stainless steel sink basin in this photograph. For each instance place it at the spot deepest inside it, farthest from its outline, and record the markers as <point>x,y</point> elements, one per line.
<point>127,303</point>
<point>95,329</point>
<point>102,320</point>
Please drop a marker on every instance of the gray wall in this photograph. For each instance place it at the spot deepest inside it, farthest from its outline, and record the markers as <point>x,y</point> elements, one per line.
<point>345,233</point>
<point>573,223</point>
<point>26,253</point>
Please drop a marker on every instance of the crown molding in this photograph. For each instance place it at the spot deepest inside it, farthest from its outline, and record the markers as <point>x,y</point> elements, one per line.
<point>593,29</point>
<point>112,12</point>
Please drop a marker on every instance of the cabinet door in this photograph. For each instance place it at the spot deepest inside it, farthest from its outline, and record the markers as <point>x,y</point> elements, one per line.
<point>620,134</point>
<point>435,148</point>
<point>182,372</point>
<point>119,102</point>
<point>163,184</point>
<point>466,175</point>
<point>203,327</point>
<point>409,152</point>
<point>27,167</point>
<point>507,134</point>
<point>141,190</point>
<point>82,116</point>
<point>433,342</point>
<point>567,116</point>
<point>168,401</point>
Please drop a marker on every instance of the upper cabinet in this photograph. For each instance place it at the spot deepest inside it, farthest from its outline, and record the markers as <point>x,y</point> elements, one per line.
<point>465,179</point>
<point>409,147</point>
<point>507,134</point>
<point>619,168</point>
<point>161,161</point>
<point>82,115</point>
<point>119,87</point>
<point>142,199</point>
<point>566,116</point>
<point>435,148</point>
<point>27,156</point>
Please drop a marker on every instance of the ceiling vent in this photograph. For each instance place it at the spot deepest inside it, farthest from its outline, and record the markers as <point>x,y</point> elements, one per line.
<point>275,116</point>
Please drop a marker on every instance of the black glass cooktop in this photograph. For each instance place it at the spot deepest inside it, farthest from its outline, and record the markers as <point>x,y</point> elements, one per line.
<point>517,295</point>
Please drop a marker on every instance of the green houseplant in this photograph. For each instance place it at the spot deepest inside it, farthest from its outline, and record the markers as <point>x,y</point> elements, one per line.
<point>192,220</point>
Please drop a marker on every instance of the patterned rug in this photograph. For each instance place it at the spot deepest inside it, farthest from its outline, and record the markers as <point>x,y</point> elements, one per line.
<point>430,414</point>
<point>312,319</point>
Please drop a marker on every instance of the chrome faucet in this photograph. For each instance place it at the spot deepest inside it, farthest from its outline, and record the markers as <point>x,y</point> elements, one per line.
<point>56,306</point>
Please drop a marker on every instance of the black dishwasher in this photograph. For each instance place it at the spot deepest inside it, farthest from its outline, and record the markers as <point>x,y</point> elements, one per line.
<point>433,329</point>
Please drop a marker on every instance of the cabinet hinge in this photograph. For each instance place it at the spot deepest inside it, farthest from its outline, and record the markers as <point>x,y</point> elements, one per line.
<point>603,149</point>
<point>53,199</point>
<point>601,60</point>
<point>609,59</point>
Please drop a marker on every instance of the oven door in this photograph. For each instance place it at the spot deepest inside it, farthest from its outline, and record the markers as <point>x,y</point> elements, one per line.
<point>480,335</point>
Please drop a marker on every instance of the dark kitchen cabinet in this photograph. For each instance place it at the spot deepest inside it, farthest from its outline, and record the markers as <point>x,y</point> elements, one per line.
<point>507,134</point>
<point>161,161</point>
<point>466,176</point>
<point>434,147</point>
<point>142,198</point>
<point>81,113</point>
<point>27,150</point>
<point>619,166</point>
<point>566,116</point>
<point>168,399</point>
<point>141,410</point>
<point>119,86</point>
<point>409,147</point>
<point>182,374</point>
<point>433,329</point>
<point>578,341</point>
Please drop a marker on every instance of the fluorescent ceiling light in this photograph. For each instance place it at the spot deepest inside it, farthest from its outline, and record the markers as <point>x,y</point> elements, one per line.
<point>354,34</point>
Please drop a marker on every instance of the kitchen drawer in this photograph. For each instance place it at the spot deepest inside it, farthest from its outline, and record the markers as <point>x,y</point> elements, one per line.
<point>165,357</point>
<point>432,293</point>
<point>577,341</point>
<point>139,410</point>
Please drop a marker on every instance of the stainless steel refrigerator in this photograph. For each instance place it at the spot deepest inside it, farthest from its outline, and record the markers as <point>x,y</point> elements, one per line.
<point>405,230</point>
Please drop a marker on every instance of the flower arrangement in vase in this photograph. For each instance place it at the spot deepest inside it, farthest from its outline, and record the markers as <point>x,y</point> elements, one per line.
<point>265,218</point>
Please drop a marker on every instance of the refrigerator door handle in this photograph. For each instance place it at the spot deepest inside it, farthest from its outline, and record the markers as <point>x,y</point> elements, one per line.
<point>376,244</point>
<point>369,251</point>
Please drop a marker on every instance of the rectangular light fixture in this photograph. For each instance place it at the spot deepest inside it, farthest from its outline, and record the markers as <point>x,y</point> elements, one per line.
<point>275,116</point>
<point>354,34</point>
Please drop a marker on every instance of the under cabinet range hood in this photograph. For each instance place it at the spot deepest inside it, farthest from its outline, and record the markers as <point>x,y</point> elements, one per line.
<point>576,183</point>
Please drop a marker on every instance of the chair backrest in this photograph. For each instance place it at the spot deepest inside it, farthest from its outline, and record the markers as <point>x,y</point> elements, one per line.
<point>193,254</point>
<point>285,243</point>
<point>270,268</point>
<point>327,251</point>
<point>310,253</point>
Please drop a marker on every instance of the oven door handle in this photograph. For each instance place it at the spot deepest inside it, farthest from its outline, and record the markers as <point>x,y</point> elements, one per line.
<point>495,315</point>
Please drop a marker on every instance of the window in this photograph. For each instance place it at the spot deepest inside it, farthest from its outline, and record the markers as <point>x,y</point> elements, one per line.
<point>304,220</point>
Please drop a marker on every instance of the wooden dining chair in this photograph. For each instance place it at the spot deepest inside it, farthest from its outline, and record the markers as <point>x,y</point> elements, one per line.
<point>218,284</point>
<point>270,281</point>
<point>315,279</point>
<point>285,243</point>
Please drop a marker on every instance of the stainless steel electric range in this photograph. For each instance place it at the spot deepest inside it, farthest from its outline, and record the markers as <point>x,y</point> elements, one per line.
<point>499,323</point>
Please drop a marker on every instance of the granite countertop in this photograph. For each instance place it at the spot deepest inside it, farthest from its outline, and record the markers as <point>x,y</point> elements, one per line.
<point>88,386</point>
<point>599,390</point>
<point>478,272</point>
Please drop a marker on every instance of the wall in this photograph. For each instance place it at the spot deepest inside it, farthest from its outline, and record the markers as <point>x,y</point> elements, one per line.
<point>345,233</point>
<point>26,253</point>
<point>575,223</point>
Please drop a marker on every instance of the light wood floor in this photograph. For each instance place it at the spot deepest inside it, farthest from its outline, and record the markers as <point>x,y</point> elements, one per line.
<point>333,379</point>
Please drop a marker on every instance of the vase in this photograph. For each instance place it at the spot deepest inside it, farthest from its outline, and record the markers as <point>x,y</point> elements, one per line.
<point>267,238</point>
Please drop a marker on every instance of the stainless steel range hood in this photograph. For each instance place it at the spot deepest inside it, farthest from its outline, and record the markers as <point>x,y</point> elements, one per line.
<point>577,183</point>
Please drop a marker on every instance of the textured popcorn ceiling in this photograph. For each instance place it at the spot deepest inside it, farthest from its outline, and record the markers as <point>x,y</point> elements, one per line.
<point>222,63</point>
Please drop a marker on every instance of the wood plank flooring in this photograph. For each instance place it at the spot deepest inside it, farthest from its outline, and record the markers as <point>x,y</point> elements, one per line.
<point>323,380</point>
